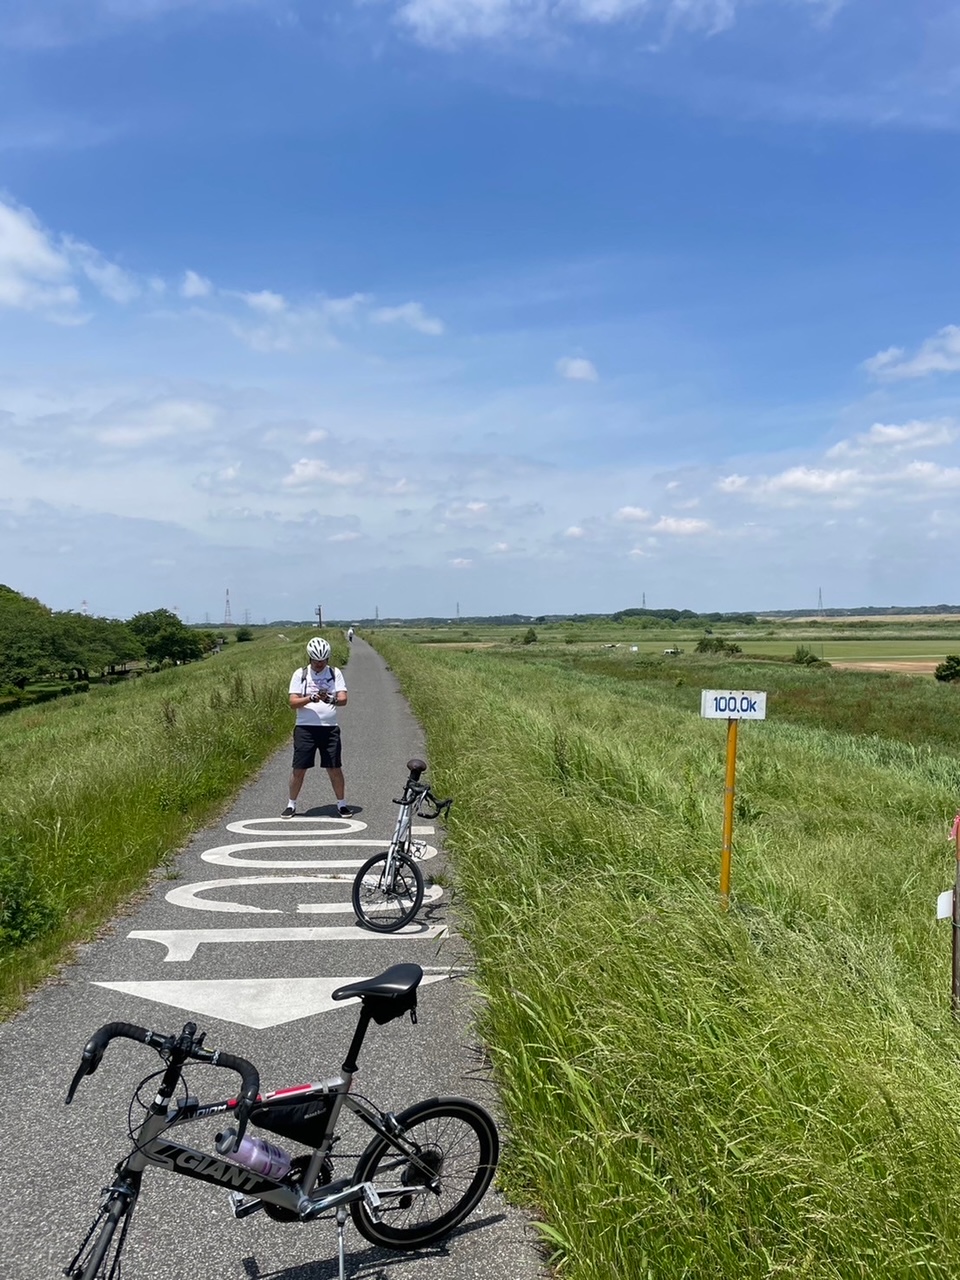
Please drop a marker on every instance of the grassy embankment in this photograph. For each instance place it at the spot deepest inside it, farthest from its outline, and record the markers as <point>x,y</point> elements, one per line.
<point>97,790</point>
<point>769,1092</point>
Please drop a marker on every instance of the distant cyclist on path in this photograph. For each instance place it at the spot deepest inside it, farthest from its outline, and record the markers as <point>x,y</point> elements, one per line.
<point>316,691</point>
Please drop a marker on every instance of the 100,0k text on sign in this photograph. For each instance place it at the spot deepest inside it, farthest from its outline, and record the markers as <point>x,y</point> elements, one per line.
<point>726,704</point>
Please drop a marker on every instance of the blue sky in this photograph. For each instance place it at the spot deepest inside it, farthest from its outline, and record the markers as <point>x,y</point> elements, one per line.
<point>521,305</point>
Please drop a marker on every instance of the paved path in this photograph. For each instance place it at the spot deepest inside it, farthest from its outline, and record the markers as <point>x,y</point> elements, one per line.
<point>248,936</point>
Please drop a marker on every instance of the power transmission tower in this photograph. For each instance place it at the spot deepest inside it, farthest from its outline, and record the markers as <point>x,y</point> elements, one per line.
<point>84,608</point>
<point>458,610</point>
<point>246,617</point>
<point>643,602</point>
<point>376,612</point>
<point>319,612</point>
<point>820,601</point>
<point>227,620</point>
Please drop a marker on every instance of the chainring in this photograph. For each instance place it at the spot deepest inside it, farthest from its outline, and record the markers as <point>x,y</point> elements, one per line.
<point>298,1167</point>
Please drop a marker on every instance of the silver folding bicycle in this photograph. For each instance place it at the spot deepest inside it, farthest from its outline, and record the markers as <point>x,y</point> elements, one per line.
<point>422,1173</point>
<point>388,888</point>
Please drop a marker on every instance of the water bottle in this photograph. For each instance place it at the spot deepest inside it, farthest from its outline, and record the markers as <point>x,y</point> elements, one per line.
<point>256,1154</point>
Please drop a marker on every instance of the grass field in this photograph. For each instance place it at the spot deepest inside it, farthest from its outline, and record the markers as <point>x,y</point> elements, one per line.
<point>772,1091</point>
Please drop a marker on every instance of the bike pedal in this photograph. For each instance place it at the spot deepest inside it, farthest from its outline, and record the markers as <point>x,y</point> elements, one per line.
<point>241,1206</point>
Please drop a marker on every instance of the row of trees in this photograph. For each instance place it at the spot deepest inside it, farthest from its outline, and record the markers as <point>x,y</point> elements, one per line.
<point>36,641</point>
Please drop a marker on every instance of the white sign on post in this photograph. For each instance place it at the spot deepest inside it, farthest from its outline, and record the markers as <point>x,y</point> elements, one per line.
<point>726,704</point>
<point>945,904</point>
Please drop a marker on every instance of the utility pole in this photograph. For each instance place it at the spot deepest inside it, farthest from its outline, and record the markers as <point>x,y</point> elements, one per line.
<point>319,612</point>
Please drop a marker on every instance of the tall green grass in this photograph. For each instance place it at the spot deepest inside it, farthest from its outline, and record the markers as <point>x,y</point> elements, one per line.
<point>771,1091</point>
<point>97,790</point>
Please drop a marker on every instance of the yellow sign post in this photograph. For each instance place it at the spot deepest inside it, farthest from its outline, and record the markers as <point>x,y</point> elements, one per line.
<point>723,704</point>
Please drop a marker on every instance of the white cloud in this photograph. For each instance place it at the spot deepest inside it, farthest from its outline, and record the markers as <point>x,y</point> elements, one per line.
<point>733,483</point>
<point>409,313</point>
<point>632,514</point>
<point>317,435</point>
<point>939,354</point>
<point>195,286</point>
<point>146,423</point>
<point>461,563</point>
<point>577,369</point>
<point>575,532</point>
<point>639,552</point>
<point>316,471</point>
<point>266,301</point>
<point>499,548</point>
<point>343,537</point>
<point>682,528</point>
<point>454,22</point>
<point>896,439</point>
<point>112,281</point>
<point>932,476</point>
<point>34,274</point>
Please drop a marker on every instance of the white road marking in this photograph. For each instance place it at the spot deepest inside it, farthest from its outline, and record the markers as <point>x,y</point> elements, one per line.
<point>422,831</point>
<point>286,825</point>
<point>430,894</point>
<point>184,895</point>
<point>251,1002</point>
<point>181,944</point>
<point>226,855</point>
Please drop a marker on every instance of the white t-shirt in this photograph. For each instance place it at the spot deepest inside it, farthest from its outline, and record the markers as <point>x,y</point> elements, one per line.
<point>305,680</point>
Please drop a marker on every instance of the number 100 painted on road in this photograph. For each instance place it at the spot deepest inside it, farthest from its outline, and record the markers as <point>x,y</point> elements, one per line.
<point>724,704</point>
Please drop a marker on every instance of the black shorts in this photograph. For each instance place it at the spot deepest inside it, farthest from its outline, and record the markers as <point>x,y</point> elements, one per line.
<point>308,739</point>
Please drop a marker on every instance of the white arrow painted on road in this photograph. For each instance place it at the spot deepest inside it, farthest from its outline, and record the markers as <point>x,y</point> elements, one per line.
<point>251,1002</point>
<point>225,855</point>
<point>181,944</point>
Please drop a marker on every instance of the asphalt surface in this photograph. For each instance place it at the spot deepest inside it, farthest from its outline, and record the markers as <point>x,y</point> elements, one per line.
<point>211,954</point>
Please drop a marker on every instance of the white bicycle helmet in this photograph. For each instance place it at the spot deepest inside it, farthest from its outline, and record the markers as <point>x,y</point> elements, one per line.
<point>318,649</point>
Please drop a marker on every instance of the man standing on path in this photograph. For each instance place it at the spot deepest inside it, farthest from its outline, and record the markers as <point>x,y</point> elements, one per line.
<point>316,691</point>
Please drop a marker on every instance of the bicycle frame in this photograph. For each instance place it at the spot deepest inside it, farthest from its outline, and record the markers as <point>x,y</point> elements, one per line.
<point>154,1148</point>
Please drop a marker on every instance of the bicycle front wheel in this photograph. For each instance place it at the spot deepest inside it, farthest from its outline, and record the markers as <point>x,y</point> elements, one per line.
<point>387,892</point>
<point>425,1195</point>
<point>98,1258</point>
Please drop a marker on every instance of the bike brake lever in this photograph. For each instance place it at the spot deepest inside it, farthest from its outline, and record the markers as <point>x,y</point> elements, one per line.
<point>86,1068</point>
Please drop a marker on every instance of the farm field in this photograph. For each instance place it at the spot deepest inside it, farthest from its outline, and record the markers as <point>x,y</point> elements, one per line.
<point>770,1091</point>
<point>919,645</point>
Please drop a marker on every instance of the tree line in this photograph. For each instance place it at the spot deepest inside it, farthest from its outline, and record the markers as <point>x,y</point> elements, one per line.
<point>37,642</point>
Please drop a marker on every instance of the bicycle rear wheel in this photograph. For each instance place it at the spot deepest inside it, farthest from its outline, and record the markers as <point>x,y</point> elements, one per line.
<point>98,1258</point>
<point>457,1151</point>
<point>385,901</point>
